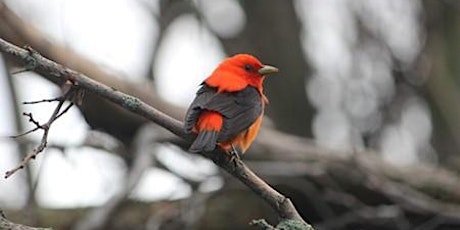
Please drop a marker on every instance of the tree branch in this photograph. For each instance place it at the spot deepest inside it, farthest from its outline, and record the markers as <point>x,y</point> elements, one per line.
<point>281,204</point>
<point>6,224</point>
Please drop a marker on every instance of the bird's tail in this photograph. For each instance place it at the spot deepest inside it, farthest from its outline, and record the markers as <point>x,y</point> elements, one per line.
<point>204,142</point>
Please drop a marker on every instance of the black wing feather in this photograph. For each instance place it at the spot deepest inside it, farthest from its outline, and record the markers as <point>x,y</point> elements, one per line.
<point>239,109</point>
<point>205,141</point>
<point>203,96</point>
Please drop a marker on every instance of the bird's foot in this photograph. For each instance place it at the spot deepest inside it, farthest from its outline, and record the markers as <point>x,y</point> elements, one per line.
<point>234,156</point>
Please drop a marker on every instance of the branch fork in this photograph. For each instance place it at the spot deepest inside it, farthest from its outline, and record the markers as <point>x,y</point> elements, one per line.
<point>58,112</point>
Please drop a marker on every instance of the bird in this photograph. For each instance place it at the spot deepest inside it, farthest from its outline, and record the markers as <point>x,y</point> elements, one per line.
<point>229,106</point>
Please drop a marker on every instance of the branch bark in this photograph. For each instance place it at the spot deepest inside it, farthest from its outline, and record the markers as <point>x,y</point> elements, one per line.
<point>281,204</point>
<point>6,224</point>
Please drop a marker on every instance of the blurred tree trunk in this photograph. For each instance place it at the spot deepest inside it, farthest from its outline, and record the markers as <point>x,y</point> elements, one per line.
<point>272,33</point>
<point>443,85</point>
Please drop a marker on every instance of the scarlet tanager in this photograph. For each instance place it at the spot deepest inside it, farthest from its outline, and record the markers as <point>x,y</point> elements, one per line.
<point>228,108</point>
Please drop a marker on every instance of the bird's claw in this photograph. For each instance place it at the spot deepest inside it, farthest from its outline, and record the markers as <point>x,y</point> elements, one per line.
<point>234,156</point>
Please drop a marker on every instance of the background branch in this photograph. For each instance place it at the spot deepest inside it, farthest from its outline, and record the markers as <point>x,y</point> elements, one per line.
<point>145,140</point>
<point>6,224</point>
<point>31,208</point>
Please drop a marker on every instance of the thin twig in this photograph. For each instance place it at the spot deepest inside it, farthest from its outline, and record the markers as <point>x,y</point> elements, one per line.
<point>31,120</point>
<point>41,101</point>
<point>64,111</point>
<point>46,127</point>
<point>20,71</point>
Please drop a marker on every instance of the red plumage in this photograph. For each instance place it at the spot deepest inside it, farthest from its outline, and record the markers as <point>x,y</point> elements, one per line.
<point>228,108</point>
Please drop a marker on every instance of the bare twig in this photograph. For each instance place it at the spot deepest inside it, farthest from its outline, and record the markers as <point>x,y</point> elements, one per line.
<point>20,71</point>
<point>45,127</point>
<point>64,111</point>
<point>31,120</point>
<point>41,101</point>
<point>281,204</point>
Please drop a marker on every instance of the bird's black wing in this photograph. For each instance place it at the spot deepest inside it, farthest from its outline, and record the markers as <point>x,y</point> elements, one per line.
<point>239,109</point>
<point>203,96</point>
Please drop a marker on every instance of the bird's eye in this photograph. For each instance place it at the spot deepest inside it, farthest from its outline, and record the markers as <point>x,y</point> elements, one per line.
<point>248,67</point>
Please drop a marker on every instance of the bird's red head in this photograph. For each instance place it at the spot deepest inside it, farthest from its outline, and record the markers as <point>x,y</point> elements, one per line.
<point>239,71</point>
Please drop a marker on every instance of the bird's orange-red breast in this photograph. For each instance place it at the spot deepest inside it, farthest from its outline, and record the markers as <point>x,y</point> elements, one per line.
<point>229,106</point>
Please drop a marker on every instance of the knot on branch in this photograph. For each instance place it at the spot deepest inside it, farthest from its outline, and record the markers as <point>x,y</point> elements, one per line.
<point>283,203</point>
<point>29,59</point>
<point>131,103</point>
<point>261,223</point>
<point>289,224</point>
<point>284,224</point>
<point>6,224</point>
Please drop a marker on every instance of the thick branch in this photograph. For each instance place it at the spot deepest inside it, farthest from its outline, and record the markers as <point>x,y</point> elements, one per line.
<point>435,182</point>
<point>282,205</point>
<point>6,224</point>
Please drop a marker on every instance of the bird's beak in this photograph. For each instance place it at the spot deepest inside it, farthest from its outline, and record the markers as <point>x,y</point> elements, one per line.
<point>266,69</point>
